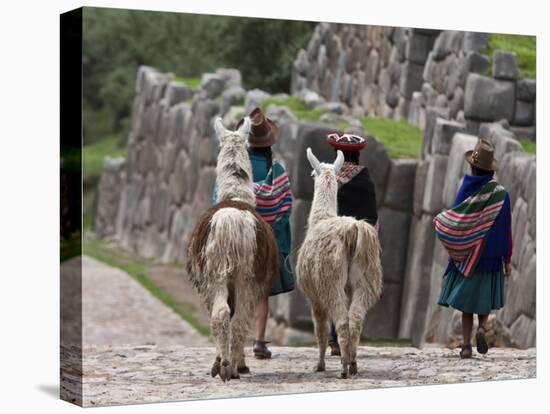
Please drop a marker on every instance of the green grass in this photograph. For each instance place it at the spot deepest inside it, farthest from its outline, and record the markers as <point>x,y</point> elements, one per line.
<point>193,83</point>
<point>137,268</point>
<point>401,139</point>
<point>297,107</point>
<point>529,146</point>
<point>524,46</point>
<point>94,154</point>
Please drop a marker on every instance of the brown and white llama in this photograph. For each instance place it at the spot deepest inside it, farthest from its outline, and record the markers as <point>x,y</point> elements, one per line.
<point>232,256</point>
<point>338,267</point>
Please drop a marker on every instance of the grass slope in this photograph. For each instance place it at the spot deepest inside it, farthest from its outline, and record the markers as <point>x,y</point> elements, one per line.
<point>94,154</point>
<point>523,46</point>
<point>401,139</point>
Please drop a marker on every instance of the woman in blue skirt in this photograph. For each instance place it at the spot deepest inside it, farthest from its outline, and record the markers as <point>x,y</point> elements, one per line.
<point>477,234</point>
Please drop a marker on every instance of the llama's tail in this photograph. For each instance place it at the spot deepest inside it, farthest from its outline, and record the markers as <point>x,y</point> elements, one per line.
<point>230,248</point>
<point>367,256</point>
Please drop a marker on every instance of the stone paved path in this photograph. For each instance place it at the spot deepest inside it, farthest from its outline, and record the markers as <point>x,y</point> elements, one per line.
<point>117,310</point>
<point>126,375</point>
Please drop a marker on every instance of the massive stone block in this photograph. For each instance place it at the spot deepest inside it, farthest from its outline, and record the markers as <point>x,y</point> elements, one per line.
<point>382,320</point>
<point>513,172</point>
<point>411,79</point>
<point>176,93</point>
<point>488,99</point>
<point>312,135</point>
<point>232,77</point>
<point>457,166</point>
<point>448,41</point>
<point>525,113</point>
<point>475,41</point>
<point>212,84</point>
<point>435,182</point>
<point>298,224</point>
<point>443,135</point>
<point>108,196</point>
<point>254,98</point>
<point>418,47</point>
<point>420,187</point>
<point>416,288</point>
<point>505,65</point>
<point>399,191</point>
<point>394,237</point>
<point>477,63</point>
<point>527,90</point>
<point>530,195</point>
<point>376,158</point>
<point>434,314</point>
<point>432,114</point>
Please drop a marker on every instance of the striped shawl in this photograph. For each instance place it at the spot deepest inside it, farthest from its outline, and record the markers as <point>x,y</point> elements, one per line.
<point>273,194</point>
<point>463,229</point>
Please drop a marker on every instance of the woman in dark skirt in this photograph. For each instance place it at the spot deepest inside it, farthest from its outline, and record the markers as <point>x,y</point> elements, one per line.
<point>477,234</point>
<point>356,194</point>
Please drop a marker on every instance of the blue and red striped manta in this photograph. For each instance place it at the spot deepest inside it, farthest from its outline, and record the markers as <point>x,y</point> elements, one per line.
<point>463,229</point>
<point>273,194</point>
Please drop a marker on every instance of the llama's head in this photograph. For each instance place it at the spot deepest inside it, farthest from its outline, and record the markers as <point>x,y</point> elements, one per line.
<point>234,171</point>
<point>238,138</point>
<point>323,173</point>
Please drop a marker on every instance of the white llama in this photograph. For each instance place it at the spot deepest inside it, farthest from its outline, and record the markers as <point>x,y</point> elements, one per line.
<point>232,257</point>
<point>338,267</point>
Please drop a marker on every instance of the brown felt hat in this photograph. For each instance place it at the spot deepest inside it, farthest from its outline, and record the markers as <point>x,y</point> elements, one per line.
<point>263,132</point>
<point>482,156</point>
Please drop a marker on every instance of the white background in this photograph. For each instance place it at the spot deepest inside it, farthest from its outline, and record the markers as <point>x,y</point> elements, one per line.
<point>29,223</point>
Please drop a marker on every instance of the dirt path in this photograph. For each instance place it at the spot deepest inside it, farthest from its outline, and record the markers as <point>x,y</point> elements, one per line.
<point>126,375</point>
<point>117,310</point>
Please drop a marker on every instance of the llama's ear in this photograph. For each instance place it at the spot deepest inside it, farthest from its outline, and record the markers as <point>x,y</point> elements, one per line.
<point>244,130</point>
<point>313,161</point>
<point>338,162</point>
<point>219,128</point>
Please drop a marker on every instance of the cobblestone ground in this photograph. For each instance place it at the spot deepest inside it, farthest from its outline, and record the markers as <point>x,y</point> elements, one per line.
<point>126,375</point>
<point>137,350</point>
<point>117,310</point>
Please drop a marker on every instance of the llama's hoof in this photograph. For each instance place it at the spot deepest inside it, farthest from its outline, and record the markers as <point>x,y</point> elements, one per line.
<point>320,367</point>
<point>225,371</point>
<point>353,368</point>
<point>235,376</point>
<point>343,375</point>
<point>243,370</point>
<point>215,368</point>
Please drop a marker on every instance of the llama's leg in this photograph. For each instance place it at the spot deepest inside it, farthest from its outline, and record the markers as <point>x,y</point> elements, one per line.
<point>356,316</point>
<point>220,331</point>
<point>340,317</point>
<point>320,323</point>
<point>240,326</point>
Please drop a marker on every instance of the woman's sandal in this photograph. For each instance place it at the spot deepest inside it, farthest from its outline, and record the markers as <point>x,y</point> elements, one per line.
<point>481,341</point>
<point>260,350</point>
<point>466,351</point>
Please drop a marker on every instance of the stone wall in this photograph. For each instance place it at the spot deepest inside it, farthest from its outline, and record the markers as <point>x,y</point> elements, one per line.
<point>401,73</point>
<point>149,202</point>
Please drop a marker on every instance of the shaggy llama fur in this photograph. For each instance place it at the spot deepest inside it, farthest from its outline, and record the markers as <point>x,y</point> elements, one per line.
<point>232,256</point>
<point>338,267</point>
